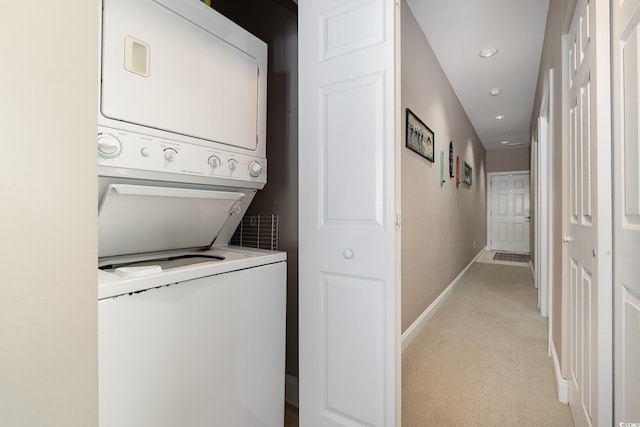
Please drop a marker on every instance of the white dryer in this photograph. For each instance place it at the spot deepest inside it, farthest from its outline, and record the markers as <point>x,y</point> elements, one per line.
<point>191,331</point>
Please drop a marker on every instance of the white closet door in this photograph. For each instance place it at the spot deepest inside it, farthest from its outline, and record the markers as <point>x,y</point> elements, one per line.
<point>589,260</point>
<point>626,189</point>
<point>348,290</point>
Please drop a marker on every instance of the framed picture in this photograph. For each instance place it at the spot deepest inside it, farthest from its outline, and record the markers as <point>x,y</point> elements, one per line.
<point>419,137</point>
<point>466,173</point>
<point>451,175</point>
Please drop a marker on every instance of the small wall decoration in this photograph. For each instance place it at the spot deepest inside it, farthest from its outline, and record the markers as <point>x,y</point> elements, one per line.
<point>466,173</point>
<point>419,137</point>
<point>450,159</point>
<point>457,171</point>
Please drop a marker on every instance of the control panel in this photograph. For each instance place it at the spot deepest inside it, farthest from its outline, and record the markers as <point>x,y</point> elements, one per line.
<point>129,150</point>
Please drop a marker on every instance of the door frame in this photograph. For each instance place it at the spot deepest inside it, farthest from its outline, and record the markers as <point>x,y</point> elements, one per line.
<point>490,175</point>
<point>544,251</point>
<point>542,270</point>
<point>626,227</point>
<point>533,208</point>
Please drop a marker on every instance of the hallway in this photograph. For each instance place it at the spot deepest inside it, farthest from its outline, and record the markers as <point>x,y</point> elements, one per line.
<point>482,359</point>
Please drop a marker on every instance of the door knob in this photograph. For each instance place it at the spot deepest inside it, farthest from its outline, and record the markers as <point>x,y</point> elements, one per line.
<point>567,239</point>
<point>347,253</point>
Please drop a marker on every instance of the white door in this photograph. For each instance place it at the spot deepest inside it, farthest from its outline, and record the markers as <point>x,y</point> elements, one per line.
<point>510,212</point>
<point>348,289</point>
<point>626,189</point>
<point>588,220</point>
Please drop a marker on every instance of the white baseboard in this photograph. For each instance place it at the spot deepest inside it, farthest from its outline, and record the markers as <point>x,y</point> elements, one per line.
<point>412,332</point>
<point>533,272</point>
<point>291,390</point>
<point>563,384</point>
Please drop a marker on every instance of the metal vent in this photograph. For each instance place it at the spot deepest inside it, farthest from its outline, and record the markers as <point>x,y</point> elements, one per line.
<point>257,231</point>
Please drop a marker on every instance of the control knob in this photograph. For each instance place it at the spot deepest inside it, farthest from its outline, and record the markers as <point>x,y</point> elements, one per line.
<point>214,161</point>
<point>170,154</point>
<point>255,169</point>
<point>108,146</point>
<point>232,164</point>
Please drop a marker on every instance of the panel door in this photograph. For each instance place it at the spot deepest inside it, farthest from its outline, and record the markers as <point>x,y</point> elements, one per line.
<point>349,320</point>
<point>510,212</point>
<point>588,219</point>
<point>626,189</point>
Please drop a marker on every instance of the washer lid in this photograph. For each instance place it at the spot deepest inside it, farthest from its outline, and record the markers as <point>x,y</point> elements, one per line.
<point>136,219</point>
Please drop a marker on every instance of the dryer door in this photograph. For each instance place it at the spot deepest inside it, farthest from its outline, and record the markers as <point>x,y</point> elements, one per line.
<point>163,71</point>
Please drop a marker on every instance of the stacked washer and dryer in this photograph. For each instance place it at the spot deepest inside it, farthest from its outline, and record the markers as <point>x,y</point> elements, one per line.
<point>191,331</point>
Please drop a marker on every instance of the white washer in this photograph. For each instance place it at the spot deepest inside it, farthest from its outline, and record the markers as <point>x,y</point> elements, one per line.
<point>191,332</point>
<point>187,337</point>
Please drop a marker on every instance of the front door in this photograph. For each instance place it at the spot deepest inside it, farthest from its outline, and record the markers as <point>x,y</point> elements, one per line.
<point>588,219</point>
<point>510,212</point>
<point>348,289</point>
<point>626,189</point>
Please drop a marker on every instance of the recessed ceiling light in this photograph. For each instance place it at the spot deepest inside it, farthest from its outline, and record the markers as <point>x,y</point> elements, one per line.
<point>504,142</point>
<point>489,52</point>
<point>500,117</point>
<point>495,92</point>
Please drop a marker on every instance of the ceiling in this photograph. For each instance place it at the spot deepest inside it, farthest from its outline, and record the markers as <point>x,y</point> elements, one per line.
<point>458,30</point>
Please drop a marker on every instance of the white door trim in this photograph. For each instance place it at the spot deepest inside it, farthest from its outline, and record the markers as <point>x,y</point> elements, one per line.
<point>626,232</point>
<point>542,220</point>
<point>535,205</point>
<point>564,332</point>
<point>537,216</point>
<point>544,204</point>
<point>398,146</point>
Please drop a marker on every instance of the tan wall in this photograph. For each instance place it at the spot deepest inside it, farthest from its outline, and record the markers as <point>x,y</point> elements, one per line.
<point>513,159</point>
<point>552,58</point>
<point>439,224</point>
<point>568,6</point>
<point>48,306</point>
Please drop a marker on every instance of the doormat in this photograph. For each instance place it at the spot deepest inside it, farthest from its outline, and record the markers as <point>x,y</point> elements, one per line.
<point>507,256</point>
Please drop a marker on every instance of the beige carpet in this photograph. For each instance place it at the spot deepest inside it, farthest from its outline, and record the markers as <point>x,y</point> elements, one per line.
<point>482,359</point>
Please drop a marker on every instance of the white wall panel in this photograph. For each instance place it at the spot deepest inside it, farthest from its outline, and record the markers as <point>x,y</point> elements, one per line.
<point>573,165</point>
<point>518,204</point>
<point>518,232</point>
<point>631,333</point>
<point>351,28</point>
<point>585,151</point>
<point>349,342</point>
<point>631,151</point>
<point>503,204</point>
<point>352,128</point>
